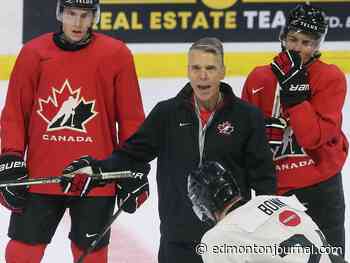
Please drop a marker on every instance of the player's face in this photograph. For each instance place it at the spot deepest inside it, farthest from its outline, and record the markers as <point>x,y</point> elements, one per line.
<point>76,23</point>
<point>205,71</point>
<point>304,44</point>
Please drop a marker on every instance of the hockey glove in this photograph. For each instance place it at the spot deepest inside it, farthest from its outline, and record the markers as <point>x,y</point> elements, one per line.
<point>274,128</point>
<point>292,77</point>
<point>134,191</point>
<point>12,167</point>
<point>81,176</point>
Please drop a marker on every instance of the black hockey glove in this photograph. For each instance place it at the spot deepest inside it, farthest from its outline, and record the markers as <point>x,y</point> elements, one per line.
<point>274,128</point>
<point>292,77</point>
<point>81,176</point>
<point>134,190</point>
<point>12,167</point>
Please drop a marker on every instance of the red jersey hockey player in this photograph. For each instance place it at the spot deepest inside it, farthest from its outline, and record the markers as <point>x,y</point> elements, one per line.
<point>268,228</point>
<point>67,92</point>
<point>302,99</point>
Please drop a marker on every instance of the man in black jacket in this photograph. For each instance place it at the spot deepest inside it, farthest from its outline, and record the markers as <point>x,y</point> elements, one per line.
<point>205,121</point>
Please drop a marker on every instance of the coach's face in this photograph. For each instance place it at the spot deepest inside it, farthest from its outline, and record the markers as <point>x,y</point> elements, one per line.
<point>205,71</point>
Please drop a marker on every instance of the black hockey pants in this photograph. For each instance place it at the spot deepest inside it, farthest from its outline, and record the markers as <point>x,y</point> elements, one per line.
<point>175,252</point>
<point>326,206</point>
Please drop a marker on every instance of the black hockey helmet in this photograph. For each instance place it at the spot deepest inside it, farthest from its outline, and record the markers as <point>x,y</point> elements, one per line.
<point>210,188</point>
<point>93,5</point>
<point>308,19</point>
<point>85,4</point>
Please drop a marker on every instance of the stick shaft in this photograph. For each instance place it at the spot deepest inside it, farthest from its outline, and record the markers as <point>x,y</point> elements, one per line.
<point>57,179</point>
<point>109,224</point>
<point>45,180</point>
<point>102,233</point>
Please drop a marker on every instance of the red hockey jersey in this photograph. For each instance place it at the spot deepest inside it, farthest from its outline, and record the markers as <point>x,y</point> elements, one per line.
<point>314,147</point>
<point>61,105</point>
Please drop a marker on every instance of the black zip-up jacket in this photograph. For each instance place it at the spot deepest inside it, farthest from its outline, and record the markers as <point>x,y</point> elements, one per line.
<point>236,138</point>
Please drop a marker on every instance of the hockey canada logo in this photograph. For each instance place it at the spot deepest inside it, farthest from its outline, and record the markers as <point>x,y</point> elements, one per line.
<point>225,128</point>
<point>289,146</point>
<point>290,149</point>
<point>65,109</point>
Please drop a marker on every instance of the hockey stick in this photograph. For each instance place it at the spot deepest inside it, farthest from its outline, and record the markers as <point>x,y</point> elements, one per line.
<point>98,239</point>
<point>276,108</point>
<point>57,179</point>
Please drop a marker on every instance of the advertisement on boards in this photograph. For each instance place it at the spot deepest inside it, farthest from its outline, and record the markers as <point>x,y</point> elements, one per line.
<point>176,21</point>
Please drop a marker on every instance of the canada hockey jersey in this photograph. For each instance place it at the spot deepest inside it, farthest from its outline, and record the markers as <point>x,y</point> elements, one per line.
<point>314,148</point>
<point>62,104</point>
<point>272,229</point>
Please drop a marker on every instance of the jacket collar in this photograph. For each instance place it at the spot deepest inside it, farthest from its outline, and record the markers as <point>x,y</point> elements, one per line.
<point>186,93</point>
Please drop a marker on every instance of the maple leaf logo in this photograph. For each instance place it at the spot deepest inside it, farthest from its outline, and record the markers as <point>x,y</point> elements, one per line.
<point>225,128</point>
<point>65,109</point>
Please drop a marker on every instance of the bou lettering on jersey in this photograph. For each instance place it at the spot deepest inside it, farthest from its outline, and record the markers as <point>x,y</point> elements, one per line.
<point>299,87</point>
<point>270,206</point>
<point>11,165</point>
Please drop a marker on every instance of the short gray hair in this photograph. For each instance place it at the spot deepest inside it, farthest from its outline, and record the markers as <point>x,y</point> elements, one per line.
<point>210,45</point>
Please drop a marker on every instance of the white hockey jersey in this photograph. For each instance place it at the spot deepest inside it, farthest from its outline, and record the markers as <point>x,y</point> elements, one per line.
<point>267,229</point>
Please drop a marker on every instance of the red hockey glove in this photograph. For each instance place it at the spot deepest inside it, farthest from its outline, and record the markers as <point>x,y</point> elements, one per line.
<point>274,128</point>
<point>84,174</point>
<point>135,191</point>
<point>12,167</point>
<point>292,77</point>
<point>81,176</point>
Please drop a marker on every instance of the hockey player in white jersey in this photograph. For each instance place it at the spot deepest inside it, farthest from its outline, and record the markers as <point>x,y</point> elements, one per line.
<point>267,229</point>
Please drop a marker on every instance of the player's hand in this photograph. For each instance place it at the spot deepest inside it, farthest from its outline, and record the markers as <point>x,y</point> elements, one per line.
<point>292,77</point>
<point>134,190</point>
<point>12,167</point>
<point>81,176</point>
<point>274,128</point>
<point>134,197</point>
